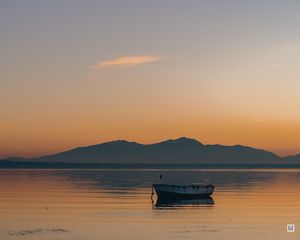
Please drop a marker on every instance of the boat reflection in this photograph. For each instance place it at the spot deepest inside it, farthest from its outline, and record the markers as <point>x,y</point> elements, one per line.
<point>182,203</point>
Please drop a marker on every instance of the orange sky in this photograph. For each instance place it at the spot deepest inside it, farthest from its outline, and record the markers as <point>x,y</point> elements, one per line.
<point>41,139</point>
<point>224,73</point>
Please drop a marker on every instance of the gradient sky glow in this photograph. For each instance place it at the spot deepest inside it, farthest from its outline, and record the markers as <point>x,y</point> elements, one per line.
<point>76,73</point>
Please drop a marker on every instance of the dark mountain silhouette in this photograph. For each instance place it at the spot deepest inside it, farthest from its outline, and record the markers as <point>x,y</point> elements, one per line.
<point>179,151</point>
<point>293,158</point>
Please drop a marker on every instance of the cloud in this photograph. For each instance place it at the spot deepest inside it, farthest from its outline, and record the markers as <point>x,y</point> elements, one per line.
<point>258,120</point>
<point>286,66</point>
<point>127,61</point>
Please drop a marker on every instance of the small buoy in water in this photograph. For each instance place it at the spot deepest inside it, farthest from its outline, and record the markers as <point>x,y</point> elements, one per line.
<point>160,176</point>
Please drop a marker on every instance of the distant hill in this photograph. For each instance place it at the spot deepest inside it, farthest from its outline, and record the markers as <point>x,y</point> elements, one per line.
<point>294,158</point>
<point>178,151</point>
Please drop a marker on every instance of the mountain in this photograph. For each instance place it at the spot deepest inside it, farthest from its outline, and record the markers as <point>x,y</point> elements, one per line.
<point>178,151</point>
<point>293,158</point>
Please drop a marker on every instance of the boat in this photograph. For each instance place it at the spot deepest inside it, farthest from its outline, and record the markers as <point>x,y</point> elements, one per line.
<point>165,191</point>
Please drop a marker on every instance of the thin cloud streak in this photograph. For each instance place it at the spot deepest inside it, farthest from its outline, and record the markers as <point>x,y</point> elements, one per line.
<point>127,61</point>
<point>258,120</point>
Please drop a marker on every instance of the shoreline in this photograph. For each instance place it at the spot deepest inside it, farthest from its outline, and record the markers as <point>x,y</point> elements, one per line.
<point>4,164</point>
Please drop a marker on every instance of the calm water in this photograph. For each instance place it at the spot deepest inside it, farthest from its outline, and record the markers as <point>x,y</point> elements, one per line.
<point>116,204</point>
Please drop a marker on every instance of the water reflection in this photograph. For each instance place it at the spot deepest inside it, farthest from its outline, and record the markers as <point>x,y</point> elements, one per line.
<point>92,204</point>
<point>181,203</point>
<point>133,179</point>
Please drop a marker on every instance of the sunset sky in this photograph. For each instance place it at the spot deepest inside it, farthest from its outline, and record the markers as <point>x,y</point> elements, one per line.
<point>76,73</point>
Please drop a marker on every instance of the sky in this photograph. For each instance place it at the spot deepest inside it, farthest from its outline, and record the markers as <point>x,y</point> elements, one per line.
<point>76,73</point>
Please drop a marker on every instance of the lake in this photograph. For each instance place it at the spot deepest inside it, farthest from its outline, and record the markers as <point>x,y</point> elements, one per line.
<point>116,204</point>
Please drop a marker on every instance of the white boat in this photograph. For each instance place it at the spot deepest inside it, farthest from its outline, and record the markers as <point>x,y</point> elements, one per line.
<point>182,192</point>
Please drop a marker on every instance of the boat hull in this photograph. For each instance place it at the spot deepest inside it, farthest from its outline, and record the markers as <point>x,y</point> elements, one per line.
<point>172,195</point>
<point>183,192</point>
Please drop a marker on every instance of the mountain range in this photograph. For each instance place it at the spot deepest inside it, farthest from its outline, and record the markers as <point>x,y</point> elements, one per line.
<point>179,151</point>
